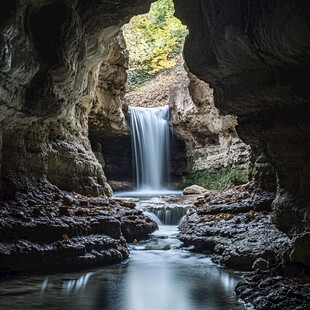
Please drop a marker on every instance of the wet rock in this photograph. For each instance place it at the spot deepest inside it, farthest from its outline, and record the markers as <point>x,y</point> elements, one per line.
<point>260,264</point>
<point>194,190</point>
<point>263,292</point>
<point>68,200</point>
<point>69,254</point>
<point>135,225</point>
<point>301,250</point>
<point>64,210</point>
<point>236,229</point>
<point>68,237</point>
<point>127,203</point>
<point>228,227</point>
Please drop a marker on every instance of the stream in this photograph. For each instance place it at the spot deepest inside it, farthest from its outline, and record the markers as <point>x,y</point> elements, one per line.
<point>159,275</point>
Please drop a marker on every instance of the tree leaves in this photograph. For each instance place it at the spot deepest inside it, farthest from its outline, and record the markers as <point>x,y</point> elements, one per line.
<point>153,41</point>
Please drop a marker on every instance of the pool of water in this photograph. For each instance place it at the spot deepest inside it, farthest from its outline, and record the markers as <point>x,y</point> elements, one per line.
<point>146,193</point>
<point>159,275</point>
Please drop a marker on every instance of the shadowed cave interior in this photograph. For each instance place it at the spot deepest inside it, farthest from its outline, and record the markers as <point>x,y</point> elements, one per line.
<point>241,99</point>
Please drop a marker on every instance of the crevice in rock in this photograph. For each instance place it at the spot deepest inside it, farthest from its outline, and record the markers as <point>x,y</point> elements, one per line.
<point>48,27</point>
<point>40,99</point>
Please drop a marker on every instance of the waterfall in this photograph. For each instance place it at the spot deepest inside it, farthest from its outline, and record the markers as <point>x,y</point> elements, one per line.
<point>151,147</point>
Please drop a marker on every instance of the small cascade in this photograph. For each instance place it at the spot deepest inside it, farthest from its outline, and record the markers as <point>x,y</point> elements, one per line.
<point>167,215</point>
<point>151,147</point>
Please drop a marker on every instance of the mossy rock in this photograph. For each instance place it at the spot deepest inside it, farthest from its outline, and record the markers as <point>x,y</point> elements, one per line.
<point>218,179</point>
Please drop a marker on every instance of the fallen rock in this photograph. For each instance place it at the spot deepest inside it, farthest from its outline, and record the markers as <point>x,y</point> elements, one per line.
<point>68,200</point>
<point>194,190</point>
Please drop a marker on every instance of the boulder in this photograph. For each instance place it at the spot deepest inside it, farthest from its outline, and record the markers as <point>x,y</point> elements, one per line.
<point>194,190</point>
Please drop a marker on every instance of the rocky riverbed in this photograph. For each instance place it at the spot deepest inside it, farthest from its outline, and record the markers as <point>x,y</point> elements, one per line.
<point>68,232</point>
<point>236,229</point>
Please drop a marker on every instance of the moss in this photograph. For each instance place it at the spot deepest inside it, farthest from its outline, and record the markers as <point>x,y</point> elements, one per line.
<point>218,179</point>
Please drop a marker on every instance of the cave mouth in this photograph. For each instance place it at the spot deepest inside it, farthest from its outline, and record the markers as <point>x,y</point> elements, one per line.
<point>154,44</point>
<point>59,214</point>
<point>156,76</point>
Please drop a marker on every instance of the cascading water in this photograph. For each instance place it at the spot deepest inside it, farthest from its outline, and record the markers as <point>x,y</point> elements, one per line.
<point>151,147</point>
<point>167,215</point>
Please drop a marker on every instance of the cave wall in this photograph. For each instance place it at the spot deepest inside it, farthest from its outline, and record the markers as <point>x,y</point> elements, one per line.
<point>255,54</point>
<point>203,140</point>
<point>51,55</point>
<point>212,143</point>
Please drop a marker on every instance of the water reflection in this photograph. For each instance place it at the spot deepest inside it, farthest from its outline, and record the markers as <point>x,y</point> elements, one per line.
<point>153,279</point>
<point>76,285</point>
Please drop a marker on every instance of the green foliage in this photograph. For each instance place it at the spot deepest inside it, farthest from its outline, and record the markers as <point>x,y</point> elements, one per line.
<point>218,179</point>
<point>153,41</point>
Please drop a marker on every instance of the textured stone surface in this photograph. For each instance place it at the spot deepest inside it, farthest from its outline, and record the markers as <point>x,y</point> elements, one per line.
<point>274,293</point>
<point>194,190</point>
<point>65,72</point>
<point>68,233</point>
<point>210,138</point>
<point>236,228</point>
<point>106,116</point>
<point>255,55</point>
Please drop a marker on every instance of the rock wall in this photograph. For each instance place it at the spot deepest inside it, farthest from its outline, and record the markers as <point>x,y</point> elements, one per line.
<point>106,116</point>
<point>53,63</point>
<point>255,55</point>
<point>62,74</point>
<point>211,139</point>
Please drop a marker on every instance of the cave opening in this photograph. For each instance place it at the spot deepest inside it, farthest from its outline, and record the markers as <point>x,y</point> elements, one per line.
<point>153,51</point>
<point>156,75</point>
<point>63,74</point>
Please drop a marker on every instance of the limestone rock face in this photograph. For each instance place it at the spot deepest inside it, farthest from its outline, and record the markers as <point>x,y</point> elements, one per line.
<point>106,116</point>
<point>58,75</point>
<point>210,138</point>
<point>255,55</point>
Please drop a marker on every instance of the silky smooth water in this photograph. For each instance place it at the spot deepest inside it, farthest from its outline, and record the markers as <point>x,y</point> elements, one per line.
<point>151,147</point>
<point>159,275</point>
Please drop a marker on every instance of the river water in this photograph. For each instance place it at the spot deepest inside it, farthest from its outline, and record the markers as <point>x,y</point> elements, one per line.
<point>159,275</point>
